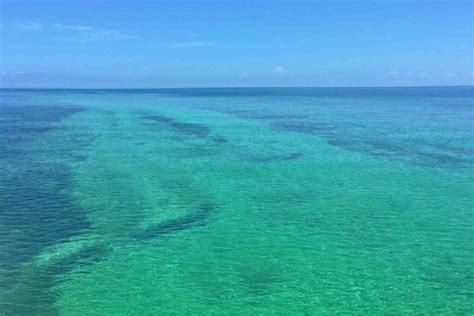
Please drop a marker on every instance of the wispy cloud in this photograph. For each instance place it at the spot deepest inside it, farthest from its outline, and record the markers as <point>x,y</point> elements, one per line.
<point>279,70</point>
<point>81,33</point>
<point>192,44</point>
<point>37,27</point>
<point>12,73</point>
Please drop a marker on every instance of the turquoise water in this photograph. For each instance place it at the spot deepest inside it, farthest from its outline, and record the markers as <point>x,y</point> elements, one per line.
<point>237,201</point>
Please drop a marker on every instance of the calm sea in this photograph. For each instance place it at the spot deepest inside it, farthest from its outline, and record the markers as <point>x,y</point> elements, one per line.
<point>298,201</point>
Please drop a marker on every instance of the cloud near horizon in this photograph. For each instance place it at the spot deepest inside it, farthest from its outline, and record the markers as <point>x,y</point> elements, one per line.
<point>279,70</point>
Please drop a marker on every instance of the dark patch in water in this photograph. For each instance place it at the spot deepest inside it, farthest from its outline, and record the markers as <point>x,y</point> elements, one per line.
<point>441,159</point>
<point>38,113</point>
<point>79,158</point>
<point>192,129</point>
<point>31,297</point>
<point>198,218</point>
<point>424,154</point>
<point>20,129</point>
<point>36,210</point>
<point>219,139</point>
<point>347,138</point>
<point>293,156</point>
<point>456,149</point>
<point>188,129</point>
<point>262,280</point>
<point>158,118</point>
<point>21,123</point>
<point>305,127</point>
<point>254,115</point>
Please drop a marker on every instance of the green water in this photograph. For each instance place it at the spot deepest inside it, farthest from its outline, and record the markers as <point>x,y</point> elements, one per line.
<point>238,202</point>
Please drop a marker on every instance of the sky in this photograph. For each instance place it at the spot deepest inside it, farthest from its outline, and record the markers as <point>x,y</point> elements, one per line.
<point>160,44</point>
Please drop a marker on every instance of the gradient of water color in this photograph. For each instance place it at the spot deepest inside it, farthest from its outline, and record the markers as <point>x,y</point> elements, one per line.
<point>237,201</point>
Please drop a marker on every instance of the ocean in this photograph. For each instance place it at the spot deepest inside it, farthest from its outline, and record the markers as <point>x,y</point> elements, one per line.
<point>245,201</point>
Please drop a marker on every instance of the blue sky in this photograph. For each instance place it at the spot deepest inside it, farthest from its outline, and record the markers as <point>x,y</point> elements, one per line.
<point>154,44</point>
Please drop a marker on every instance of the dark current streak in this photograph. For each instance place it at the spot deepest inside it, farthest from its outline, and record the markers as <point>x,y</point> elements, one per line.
<point>266,116</point>
<point>347,139</point>
<point>190,129</point>
<point>36,211</point>
<point>198,218</point>
<point>292,156</point>
<point>305,127</point>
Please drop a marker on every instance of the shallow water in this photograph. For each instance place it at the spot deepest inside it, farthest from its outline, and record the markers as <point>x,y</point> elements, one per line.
<point>237,201</point>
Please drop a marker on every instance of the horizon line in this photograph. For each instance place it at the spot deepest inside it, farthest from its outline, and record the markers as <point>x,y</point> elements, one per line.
<point>239,87</point>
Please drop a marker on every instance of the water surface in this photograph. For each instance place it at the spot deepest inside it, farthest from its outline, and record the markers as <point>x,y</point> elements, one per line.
<point>237,201</point>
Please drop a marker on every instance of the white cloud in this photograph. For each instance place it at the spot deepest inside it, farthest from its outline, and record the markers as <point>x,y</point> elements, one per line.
<point>279,70</point>
<point>80,28</point>
<point>192,44</point>
<point>30,27</point>
<point>73,32</point>
<point>12,73</point>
